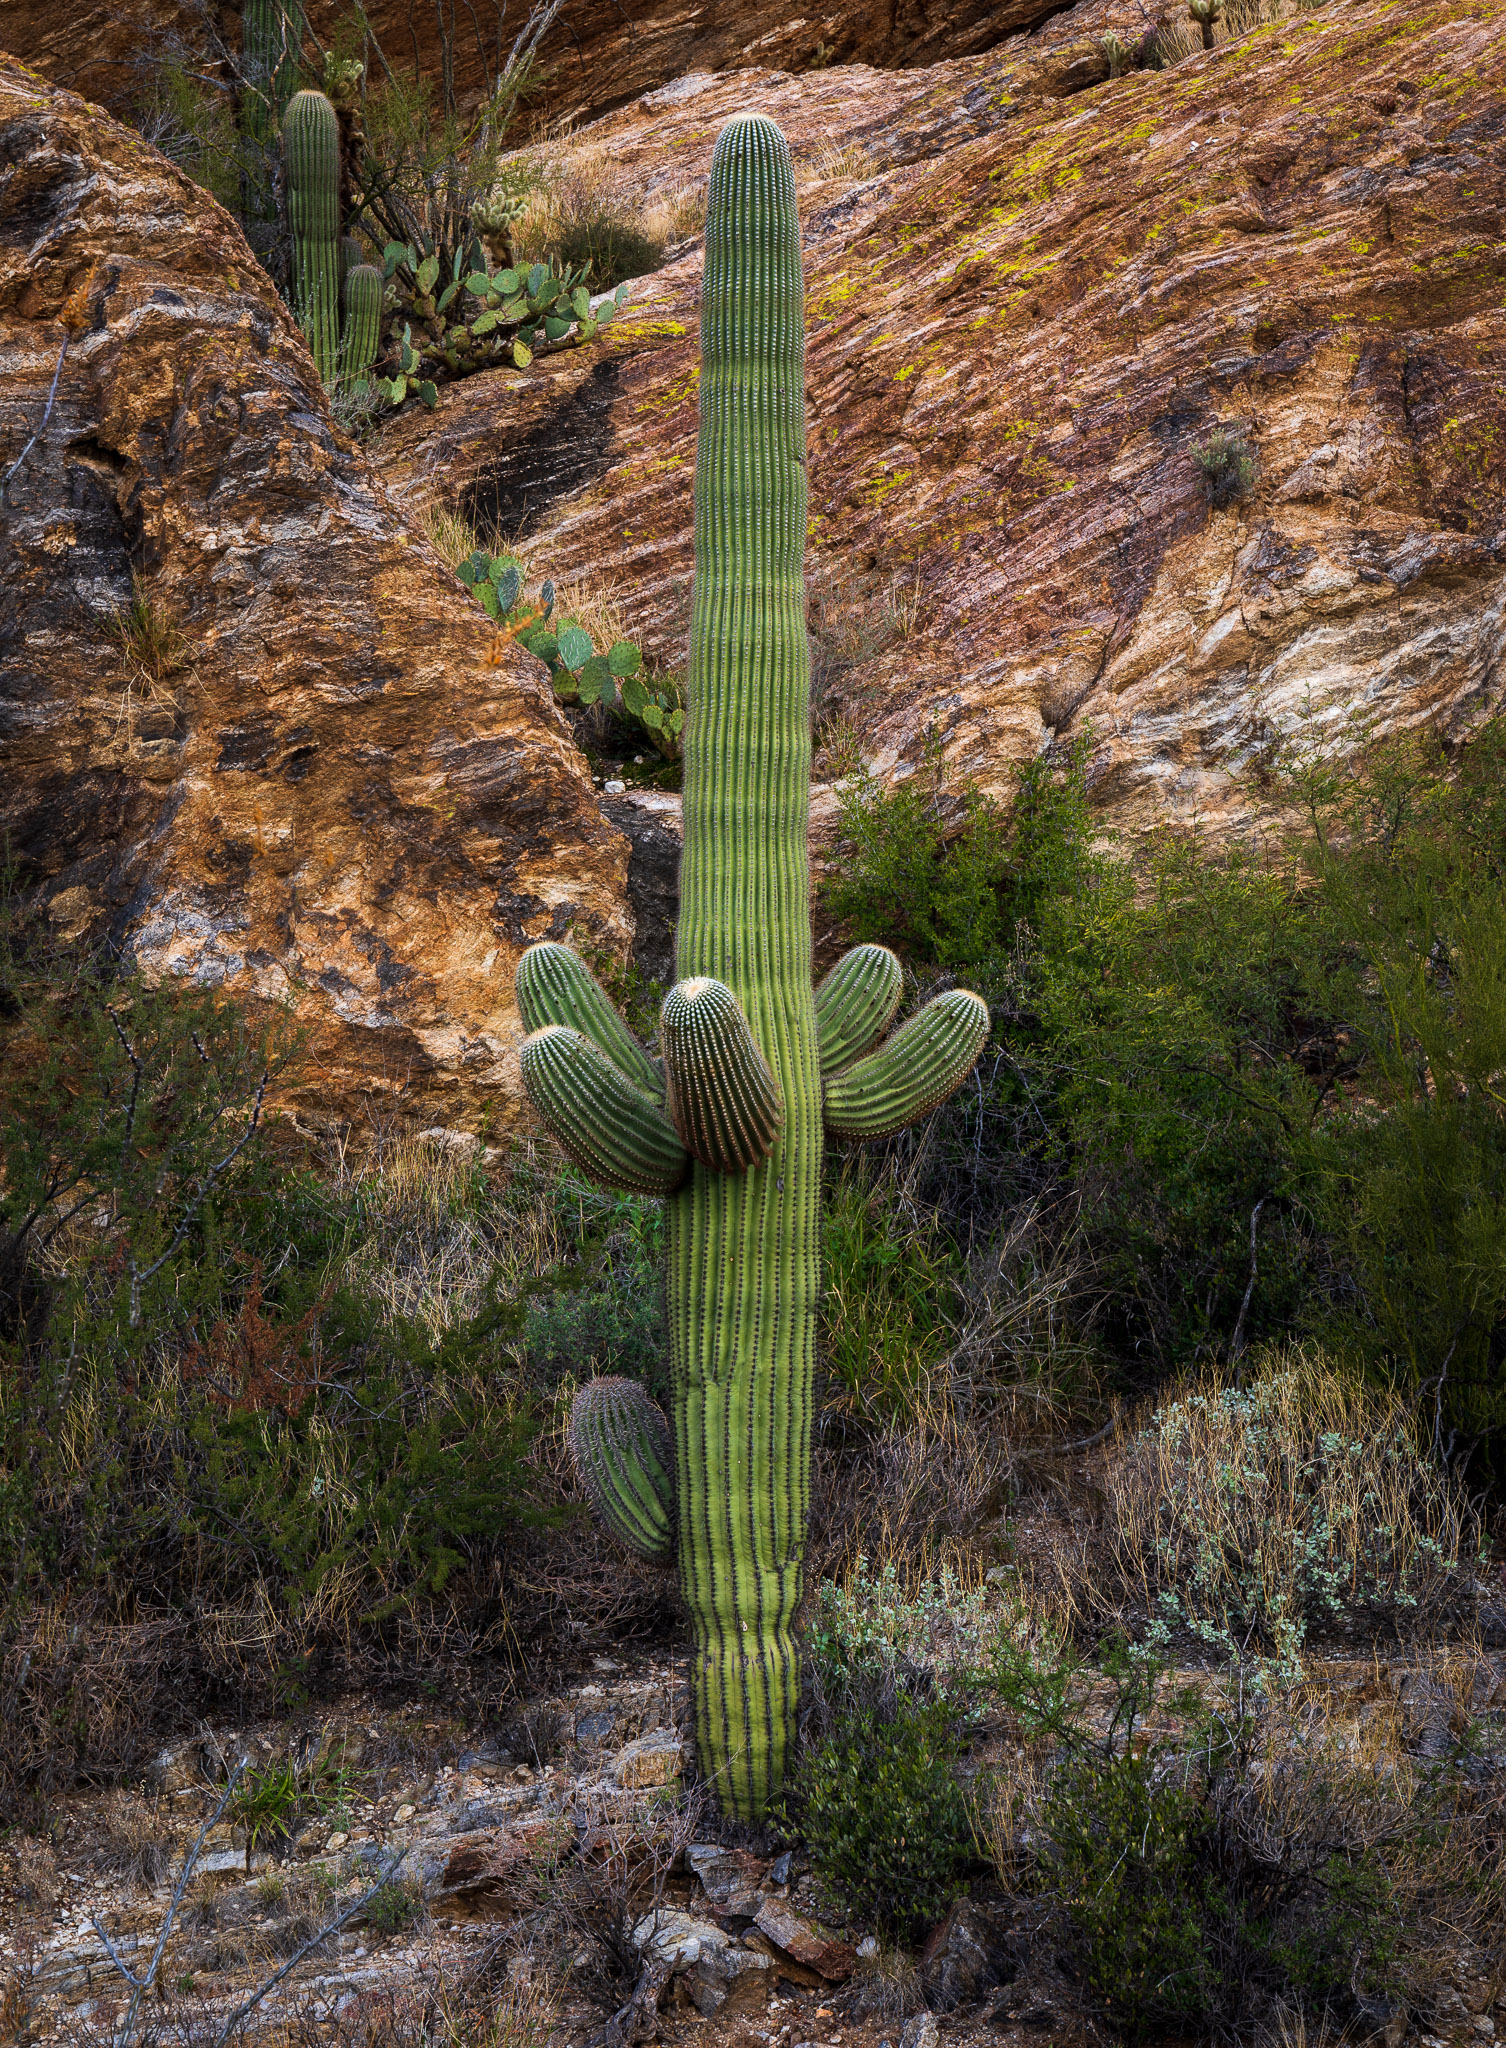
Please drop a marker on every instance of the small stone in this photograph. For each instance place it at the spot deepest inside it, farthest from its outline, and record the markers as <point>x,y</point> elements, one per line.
<point>614,788</point>
<point>830,1959</point>
<point>782,1868</point>
<point>404,1813</point>
<point>1484,2026</point>
<point>336,1842</point>
<point>920,2031</point>
<point>651,1760</point>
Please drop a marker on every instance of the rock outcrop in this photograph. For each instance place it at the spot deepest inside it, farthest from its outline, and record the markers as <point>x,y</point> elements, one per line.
<point>595,56</point>
<point>324,796</point>
<point>1035,294</point>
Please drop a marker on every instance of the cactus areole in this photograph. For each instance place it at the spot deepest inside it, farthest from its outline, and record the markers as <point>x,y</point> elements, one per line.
<point>734,1131</point>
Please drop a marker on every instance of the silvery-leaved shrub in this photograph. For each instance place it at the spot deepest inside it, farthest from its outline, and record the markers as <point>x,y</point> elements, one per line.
<point>1251,1515</point>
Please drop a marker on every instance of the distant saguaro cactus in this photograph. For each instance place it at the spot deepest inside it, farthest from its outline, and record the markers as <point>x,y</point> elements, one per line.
<point>271,41</point>
<point>731,1132</point>
<point>311,157</point>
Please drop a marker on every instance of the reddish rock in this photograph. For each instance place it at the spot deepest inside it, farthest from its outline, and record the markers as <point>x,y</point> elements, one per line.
<point>792,1935</point>
<point>491,1871</point>
<point>1022,330</point>
<point>333,801</point>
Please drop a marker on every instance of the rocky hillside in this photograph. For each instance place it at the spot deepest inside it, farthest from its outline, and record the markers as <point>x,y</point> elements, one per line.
<point>297,779</point>
<point>1158,412</point>
<point>1036,295</point>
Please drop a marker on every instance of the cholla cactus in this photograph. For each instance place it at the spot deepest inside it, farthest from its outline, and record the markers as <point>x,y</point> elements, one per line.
<point>1117,51</point>
<point>758,1068</point>
<point>1205,13</point>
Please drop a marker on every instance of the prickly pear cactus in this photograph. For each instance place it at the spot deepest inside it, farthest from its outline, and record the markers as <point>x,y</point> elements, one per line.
<point>311,159</point>
<point>758,1068</point>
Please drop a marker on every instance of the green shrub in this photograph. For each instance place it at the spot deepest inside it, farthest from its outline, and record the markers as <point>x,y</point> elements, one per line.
<point>1125,1846</point>
<point>1227,462</point>
<point>889,1302</point>
<point>935,869</point>
<point>395,1907</point>
<point>881,1811</point>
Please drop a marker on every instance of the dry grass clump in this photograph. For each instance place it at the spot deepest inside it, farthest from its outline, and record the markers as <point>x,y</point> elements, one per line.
<point>1257,1513</point>
<point>580,213</point>
<point>152,646</point>
<point>832,163</point>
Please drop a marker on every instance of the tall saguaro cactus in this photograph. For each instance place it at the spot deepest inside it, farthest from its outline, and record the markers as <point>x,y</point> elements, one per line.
<point>311,155</point>
<point>755,1063</point>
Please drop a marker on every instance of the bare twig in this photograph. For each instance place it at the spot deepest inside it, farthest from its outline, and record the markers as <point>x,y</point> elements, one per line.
<point>1237,1341</point>
<point>143,1984</point>
<point>250,2004</point>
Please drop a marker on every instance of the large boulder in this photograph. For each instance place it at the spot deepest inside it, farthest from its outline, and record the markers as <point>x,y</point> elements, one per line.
<point>331,799</point>
<point>1034,296</point>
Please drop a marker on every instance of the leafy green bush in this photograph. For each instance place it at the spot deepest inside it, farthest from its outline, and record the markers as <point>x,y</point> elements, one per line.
<point>882,1813</point>
<point>936,870</point>
<point>1125,1845</point>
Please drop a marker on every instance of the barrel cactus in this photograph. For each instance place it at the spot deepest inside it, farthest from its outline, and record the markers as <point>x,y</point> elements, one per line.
<point>311,158</point>
<point>757,1066</point>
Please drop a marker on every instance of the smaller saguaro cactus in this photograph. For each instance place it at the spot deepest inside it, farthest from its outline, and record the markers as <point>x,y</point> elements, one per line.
<point>311,156</point>
<point>1205,13</point>
<point>362,334</point>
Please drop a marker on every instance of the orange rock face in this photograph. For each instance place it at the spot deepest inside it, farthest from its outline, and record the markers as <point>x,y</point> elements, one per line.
<point>594,56</point>
<point>328,798</point>
<point>1025,325</point>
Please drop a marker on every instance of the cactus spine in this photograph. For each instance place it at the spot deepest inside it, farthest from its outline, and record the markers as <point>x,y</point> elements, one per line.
<point>746,1041</point>
<point>311,155</point>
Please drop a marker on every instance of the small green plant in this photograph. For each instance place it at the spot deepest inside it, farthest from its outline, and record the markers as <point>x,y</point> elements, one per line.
<point>1118,53</point>
<point>882,1812</point>
<point>265,1803</point>
<point>1225,458</point>
<point>395,1906</point>
<point>580,673</point>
